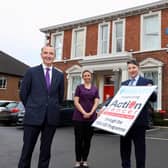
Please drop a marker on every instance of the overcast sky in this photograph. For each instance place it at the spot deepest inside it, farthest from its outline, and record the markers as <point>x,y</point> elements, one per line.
<point>20,21</point>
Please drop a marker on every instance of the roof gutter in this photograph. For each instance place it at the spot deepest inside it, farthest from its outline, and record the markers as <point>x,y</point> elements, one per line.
<point>109,16</point>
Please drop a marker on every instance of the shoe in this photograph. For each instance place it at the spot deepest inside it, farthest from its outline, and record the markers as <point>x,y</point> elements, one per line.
<point>77,166</point>
<point>85,165</point>
<point>81,164</point>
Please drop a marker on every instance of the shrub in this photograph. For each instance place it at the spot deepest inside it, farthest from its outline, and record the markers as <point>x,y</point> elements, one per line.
<point>159,119</point>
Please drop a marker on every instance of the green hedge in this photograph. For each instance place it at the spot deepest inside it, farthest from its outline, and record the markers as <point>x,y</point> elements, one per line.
<point>159,119</point>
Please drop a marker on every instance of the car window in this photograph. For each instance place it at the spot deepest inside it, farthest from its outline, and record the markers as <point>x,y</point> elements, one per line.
<point>20,106</point>
<point>12,105</point>
<point>3,104</point>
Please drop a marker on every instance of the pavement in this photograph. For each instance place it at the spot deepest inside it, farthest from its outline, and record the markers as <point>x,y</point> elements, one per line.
<point>104,149</point>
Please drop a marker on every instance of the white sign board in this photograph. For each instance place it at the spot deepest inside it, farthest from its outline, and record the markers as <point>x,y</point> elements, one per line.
<point>124,108</point>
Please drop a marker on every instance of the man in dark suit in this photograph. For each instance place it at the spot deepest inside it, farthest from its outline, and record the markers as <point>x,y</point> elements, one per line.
<point>41,92</point>
<point>138,130</point>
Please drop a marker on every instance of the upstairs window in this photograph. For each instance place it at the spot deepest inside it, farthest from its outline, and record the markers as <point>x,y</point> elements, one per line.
<point>150,34</point>
<point>57,41</point>
<point>78,43</point>
<point>104,38</point>
<point>118,36</point>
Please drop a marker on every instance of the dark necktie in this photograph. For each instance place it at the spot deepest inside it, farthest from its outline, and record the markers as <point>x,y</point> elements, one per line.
<point>47,77</point>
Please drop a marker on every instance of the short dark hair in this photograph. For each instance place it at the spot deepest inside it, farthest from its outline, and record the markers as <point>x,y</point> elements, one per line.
<point>133,62</point>
<point>47,45</point>
<point>86,70</point>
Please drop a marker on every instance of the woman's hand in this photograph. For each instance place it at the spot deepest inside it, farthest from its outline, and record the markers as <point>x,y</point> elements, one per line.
<point>87,115</point>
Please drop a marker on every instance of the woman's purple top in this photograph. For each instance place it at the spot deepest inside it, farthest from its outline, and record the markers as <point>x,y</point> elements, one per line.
<point>86,100</point>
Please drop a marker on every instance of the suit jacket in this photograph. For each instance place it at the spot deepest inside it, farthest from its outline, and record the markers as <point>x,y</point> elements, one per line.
<point>143,117</point>
<point>41,104</point>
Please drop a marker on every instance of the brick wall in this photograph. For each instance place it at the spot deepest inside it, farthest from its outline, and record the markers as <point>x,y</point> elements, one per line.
<point>132,33</point>
<point>161,56</point>
<point>164,25</point>
<point>91,40</point>
<point>11,92</point>
<point>67,44</point>
<point>111,30</point>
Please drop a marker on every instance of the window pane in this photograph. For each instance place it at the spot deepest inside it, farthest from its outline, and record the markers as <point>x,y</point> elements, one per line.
<point>58,54</point>
<point>104,32</point>
<point>151,42</point>
<point>151,32</point>
<point>104,47</point>
<point>104,39</point>
<point>19,83</point>
<point>153,75</point>
<point>119,45</point>
<point>119,37</point>
<point>119,29</point>
<point>3,82</point>
<point>78,51</point>
<point>79,36</point>
<point>79,43</point>
<point>58,46</point>
<point>76,80</point>
<point>151,25</point>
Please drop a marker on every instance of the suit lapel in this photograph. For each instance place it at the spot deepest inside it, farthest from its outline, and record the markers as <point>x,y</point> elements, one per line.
<point>127,82</point>
<point>140,81</point>
<point>41,76</point>
<point>54,78</point>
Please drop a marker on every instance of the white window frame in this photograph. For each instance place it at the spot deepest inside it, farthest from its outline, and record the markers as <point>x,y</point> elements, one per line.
<point>53,43</point>
<point>99,49</point>
<point>71,83</point>
<point>114,36</point>
<point>75,70</point>
<point>150,64</point>
<point>142,31</point>
<point>4,79</point>
<point>73,43</point>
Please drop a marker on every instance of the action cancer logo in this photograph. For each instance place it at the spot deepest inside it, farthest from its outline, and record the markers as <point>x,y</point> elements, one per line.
<point>126,104</point>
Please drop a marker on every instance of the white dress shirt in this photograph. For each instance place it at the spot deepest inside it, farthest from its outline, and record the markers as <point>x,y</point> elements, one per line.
<point>50,71</point>
<point>135,81</point>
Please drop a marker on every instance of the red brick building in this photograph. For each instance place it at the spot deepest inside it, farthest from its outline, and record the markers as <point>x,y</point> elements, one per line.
<point>11,74</point>
<point>105,43</point>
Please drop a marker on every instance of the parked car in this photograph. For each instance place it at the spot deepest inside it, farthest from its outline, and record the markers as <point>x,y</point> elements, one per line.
<point>4,103</point>
<point>66,112</point>
<point>9,111</point>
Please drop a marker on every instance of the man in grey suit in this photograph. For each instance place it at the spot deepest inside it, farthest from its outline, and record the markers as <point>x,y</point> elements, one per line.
<point>41,92</point>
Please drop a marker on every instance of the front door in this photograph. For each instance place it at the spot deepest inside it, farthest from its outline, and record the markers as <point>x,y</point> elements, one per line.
<point>108,87</point>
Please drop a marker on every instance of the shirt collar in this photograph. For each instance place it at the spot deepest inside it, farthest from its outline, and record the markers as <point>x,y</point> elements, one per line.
<point>44,67</point>
<point>136,78</point>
